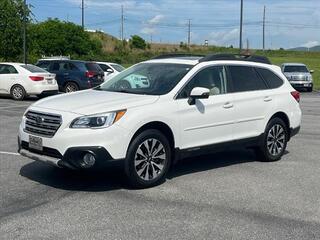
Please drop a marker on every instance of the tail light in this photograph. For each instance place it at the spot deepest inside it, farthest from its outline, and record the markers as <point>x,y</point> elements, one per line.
<point>89,74</point>
<point>36,78</point>
<point>296,95</point>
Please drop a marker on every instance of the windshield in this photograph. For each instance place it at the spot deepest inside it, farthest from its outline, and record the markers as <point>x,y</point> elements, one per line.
<point>296,69</point>
<point>117,67</point>
<point>147,78</point>
<point>33,69</point>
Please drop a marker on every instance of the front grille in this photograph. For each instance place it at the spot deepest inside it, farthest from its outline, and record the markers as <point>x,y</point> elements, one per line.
<point>299,78</point>
<point>42,124</point>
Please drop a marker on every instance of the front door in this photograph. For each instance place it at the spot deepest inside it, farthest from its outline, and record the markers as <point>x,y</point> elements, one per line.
<point>208,121</point>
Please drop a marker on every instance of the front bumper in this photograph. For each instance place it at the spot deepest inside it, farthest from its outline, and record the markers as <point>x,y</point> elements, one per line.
<point>71,159</point>
<point>301,84</point>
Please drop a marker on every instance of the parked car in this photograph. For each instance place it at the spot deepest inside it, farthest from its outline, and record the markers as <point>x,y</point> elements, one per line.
<point>298,75</point>
<point>192,106</point>
<point>73,75</point>
<point>110,69</point>
<point>20,80</point>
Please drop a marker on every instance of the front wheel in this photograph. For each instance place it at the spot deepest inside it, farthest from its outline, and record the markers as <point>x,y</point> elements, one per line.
<point>148,159</point>
<point>309,89</point>
<point>275,141</point>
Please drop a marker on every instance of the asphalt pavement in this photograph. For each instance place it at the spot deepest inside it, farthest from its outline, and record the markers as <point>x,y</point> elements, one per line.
<point>226,195</point>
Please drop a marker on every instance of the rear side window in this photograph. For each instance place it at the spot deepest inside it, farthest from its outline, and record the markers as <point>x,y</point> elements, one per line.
<point>104,67</point>
<point>7,69</point>
<point>271,78</point>
<point>44,65</point>
<point>93,67</point>
<point>33,69</point>
<point>117,67</point>
<point>245,78</point>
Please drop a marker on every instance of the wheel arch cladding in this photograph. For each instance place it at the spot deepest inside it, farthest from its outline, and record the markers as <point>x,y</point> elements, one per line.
<point>283,117</point>
<point>160,126</point>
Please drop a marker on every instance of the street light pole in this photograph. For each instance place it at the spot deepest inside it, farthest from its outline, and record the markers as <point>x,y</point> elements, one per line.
<point>241,20</point>
<point>25,60</point>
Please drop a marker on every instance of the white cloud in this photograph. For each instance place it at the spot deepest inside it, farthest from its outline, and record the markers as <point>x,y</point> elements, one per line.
<point>156,19</point>
<point>150,29</point>
<point>310,44</point>
<point>223,37</point>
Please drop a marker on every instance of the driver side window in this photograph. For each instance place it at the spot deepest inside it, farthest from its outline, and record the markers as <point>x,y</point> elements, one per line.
<point>213,78</point>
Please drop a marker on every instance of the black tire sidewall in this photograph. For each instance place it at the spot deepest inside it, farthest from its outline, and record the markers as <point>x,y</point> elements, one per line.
<point>23,93</point>
<point>131,173</point>
<point>267,156</point>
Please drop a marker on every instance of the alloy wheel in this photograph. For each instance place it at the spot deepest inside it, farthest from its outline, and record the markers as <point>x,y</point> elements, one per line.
<point>276,140</point>
<point>17,92</point>
<point>150,159</point>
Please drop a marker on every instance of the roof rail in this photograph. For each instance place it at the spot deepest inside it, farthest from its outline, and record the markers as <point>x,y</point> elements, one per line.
<point>236,57</point>
<point>177,55</point>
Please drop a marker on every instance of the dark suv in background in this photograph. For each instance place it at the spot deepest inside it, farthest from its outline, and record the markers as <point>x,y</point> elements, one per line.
<point>73,75</point>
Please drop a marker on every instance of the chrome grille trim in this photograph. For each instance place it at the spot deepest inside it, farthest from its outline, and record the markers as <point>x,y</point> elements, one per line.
<point>42,124</point>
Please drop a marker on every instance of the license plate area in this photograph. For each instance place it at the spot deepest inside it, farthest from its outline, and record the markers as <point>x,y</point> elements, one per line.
<point>35,143</point>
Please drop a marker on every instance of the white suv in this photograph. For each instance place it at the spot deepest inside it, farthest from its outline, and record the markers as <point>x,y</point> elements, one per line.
<point>192,106</point>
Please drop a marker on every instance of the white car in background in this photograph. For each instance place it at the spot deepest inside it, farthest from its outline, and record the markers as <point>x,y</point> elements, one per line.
<point>110,69</point>
<point>20,80</point>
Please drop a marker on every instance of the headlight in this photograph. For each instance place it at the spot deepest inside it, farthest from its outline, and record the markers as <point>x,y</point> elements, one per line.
<point>102,120</point>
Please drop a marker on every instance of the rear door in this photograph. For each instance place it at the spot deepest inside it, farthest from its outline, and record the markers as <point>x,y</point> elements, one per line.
<point>8,76</point>
<point>61,69</point>
<point>253,101</point>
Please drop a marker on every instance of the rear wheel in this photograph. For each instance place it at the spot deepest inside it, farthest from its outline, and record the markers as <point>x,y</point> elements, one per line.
<point>148,159</point>
<point>309,89</point>
<point>274,142</point>
<point>71,87</point>
<point>18,93</point>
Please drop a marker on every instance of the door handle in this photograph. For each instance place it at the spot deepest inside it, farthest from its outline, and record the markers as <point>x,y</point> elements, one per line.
<point>267,99</point>
<point>228,105</point>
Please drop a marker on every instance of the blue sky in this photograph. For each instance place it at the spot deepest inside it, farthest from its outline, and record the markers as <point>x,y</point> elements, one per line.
<point>290,23</point>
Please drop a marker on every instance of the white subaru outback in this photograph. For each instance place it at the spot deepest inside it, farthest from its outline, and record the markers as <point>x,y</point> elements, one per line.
<point>190,106</point>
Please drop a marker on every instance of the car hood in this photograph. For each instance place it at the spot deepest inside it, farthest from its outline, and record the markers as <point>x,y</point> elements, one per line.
<point>93,101</point>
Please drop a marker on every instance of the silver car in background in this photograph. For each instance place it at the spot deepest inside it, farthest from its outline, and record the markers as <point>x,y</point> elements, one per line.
<point>298,75</point>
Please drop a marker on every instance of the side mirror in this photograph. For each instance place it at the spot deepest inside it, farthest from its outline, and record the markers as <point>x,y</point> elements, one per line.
<point>198,93</point>
<point>311,71</point>
<point>109,70</point>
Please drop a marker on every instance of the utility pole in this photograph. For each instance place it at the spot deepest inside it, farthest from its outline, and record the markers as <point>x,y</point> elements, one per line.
<point>25,59</point>
<point>264,28</point>
<point>122,23</point>
<point>189,32</point>
<point>82,11</point>
<point>241,20</point>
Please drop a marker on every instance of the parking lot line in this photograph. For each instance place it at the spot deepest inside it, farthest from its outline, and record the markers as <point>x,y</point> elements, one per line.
<point>9,153</point>
<point>15,106</point>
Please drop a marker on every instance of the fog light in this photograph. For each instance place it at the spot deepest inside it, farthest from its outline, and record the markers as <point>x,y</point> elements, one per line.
<point>88,160</point>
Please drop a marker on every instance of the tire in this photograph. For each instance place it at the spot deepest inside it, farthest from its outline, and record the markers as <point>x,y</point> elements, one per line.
<point>310,89</point>
<point>152,170</point>
<point>18,93</point>
<point>274,141</point>
<point>71,87</point>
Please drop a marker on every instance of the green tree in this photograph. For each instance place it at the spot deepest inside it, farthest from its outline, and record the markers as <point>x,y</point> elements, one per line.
<point>55,37</point>
<point>11,23</point>
<point>137,42</point>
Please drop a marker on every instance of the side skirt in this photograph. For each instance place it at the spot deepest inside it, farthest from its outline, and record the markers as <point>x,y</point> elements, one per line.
<point>218,147</point>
